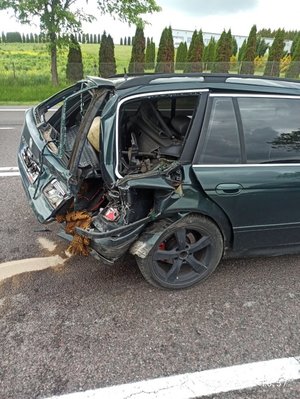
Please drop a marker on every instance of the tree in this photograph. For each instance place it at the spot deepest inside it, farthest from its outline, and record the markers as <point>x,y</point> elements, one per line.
<point>275,54</point>
<point>209,54</point>
<point>195,53</point>
<point>137,60</point>
<point>223,53</point>
<point>293,70</point>
<point>247,66</point>
<point>128,11</point>
<point>261,47</point>
<point>166,52</point>
<point>234,46</point>
<point>181,56</point>
<point>107,61</point>
<point>294,44</point>
<point>57,17</point>
<point>74,70</point>
<point>150,54</point>
<point>13,37</point>
<point>242,50</point>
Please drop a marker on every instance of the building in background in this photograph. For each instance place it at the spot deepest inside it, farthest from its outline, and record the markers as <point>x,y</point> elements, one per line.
<point>180,35</point>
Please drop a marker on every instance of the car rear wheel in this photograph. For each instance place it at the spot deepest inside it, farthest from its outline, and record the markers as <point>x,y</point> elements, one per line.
<point>185,254</point>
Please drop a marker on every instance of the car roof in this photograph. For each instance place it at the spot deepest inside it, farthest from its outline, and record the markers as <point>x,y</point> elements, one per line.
<point>213,82</point>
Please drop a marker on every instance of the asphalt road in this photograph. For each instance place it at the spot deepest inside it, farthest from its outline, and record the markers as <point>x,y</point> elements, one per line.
<point>85,325</point>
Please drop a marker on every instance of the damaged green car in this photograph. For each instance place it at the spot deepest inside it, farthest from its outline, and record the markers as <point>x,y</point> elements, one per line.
<point>178,170</point>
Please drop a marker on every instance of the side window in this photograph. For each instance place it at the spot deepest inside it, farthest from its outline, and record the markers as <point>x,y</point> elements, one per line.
<point>153,129</point>
<point>221,144</point>
<point>271,129</point>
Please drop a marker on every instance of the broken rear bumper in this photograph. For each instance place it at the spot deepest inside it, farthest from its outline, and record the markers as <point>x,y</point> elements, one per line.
<point>111,245</point>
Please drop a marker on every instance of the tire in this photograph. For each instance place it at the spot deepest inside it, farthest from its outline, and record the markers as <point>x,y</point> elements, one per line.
<point>185,254</point>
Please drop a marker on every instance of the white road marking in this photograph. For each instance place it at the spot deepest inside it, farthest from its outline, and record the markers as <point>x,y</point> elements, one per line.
<point>6,128</point>
<point>8,171</point>
<point>9,174</point>
<point>203,383</point>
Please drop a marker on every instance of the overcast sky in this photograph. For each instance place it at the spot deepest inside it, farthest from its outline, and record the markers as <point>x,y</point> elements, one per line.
<point>209,15</point>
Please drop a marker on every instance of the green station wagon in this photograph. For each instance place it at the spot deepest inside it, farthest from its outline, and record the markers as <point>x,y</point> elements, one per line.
<point>179,170</point>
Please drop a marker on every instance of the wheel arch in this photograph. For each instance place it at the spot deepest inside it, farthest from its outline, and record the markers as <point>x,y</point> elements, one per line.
<point>152,232</point>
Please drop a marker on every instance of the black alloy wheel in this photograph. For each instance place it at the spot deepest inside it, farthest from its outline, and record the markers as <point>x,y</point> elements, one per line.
<point>186,253</point>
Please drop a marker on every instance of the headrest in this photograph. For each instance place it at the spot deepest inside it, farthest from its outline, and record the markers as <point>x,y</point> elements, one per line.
<point>94,133</point>
<point>180,123</point>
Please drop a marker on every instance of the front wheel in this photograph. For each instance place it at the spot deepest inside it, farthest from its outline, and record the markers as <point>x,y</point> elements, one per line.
<point>185,254</point>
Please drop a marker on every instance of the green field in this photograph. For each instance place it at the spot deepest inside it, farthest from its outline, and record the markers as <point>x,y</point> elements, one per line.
<point>25,69</point>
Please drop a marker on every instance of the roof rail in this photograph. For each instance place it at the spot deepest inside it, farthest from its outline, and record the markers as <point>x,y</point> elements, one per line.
<point>147,78</point>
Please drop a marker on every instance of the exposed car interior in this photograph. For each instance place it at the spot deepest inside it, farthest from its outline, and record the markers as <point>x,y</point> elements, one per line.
<point>153,129</point>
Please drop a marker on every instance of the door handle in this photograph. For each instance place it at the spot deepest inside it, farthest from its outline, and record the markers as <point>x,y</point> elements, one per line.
<point>229,188</point>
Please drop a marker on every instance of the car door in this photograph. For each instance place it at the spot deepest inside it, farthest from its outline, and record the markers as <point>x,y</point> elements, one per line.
<point>248,162</point>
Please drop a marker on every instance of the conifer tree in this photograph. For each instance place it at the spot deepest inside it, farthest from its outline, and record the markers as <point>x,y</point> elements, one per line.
<point>166,52</point>
<point>201,50</point>
<point>223,53</point>
<point>229,46</point>
<point>293,70</point>
<point>150,54</point>
<point>181,56</point>
<point>209,54</point>
<point>107,61</point>
<point>261,47</point>
<point>234,46</point>
<point>275,54</point>
<point>241,51</point>
<point>247,66</point>
<point>13,37</point>
<point>195,53</point>
<point>74,69</point>
<point>137,61</point>
<point>295,42</point>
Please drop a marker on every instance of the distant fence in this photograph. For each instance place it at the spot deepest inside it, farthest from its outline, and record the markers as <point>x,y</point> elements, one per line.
<point>40,74</point>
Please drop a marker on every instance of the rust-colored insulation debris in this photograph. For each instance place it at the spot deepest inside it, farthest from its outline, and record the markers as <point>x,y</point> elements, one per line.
<point>79,244</point>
